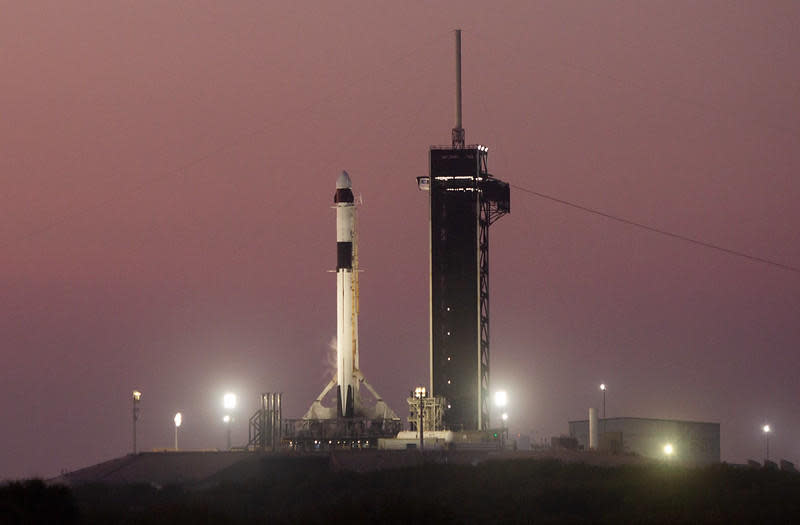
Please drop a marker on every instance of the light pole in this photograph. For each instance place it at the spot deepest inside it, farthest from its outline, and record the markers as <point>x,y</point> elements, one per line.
<point>766,430</point>
<point>500,401</point>
<point>227,420</point>
<point>229,403</point>
<point>603,388</point>
<point>178,419</point>
<point>421,393</point>
<point>137,396</point>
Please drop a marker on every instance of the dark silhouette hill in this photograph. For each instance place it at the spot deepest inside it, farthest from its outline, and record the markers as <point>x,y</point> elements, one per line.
<point>438,488</point>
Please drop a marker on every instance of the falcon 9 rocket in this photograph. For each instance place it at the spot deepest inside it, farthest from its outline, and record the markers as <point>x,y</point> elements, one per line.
<point>346,298</point>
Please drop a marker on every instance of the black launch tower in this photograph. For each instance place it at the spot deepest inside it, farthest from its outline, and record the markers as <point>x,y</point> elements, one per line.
<point>465,199</point>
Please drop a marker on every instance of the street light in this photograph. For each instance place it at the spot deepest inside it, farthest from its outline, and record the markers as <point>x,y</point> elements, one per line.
<point>227,420</point>
<point>420,393</point>
<point>500,398</point>
<point>500,401</point>
<point>178,420</point>
<point>137,396</point>
<point>229,401</point>
<point>766,430</point>
<point>668,450</point>
<point>603,388</point>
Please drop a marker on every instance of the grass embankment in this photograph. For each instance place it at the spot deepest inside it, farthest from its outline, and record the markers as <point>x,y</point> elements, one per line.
<point>296,490</point>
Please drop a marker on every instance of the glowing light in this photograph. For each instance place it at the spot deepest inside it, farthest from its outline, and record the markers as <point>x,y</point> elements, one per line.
<point>668,449</point>
<point>500,398</point>
<point>766,429</point>
<point>505,416</point>
<point>421,391</point>
<point>229,401</point>
<point>602,386</point>
<point>178,419</point>
<point>226,419</point>
<point>137,395</point>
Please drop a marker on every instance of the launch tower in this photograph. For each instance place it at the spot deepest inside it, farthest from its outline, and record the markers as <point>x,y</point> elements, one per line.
<point>465,199</point>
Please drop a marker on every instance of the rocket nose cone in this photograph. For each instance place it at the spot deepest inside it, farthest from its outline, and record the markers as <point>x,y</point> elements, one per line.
<point>343,181</point>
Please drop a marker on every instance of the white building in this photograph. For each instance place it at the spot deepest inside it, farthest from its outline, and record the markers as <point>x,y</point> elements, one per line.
<point>689,442</point>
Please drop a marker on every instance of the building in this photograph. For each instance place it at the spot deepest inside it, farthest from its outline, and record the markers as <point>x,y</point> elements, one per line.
<point>690,442</point>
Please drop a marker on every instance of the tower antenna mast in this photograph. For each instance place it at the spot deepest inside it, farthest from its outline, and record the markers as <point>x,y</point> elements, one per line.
<point>458,130</point>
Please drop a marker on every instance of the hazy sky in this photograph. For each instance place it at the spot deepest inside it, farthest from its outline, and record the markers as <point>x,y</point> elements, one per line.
<point>168,172</point>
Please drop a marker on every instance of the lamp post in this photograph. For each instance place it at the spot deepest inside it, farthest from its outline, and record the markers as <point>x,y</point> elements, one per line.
<point>137,396</point>
<point>421,393</point>
<point>227,420</point>
<point>178,420</point>
<point>500,401</point>
<point>229,403</point>
<point>766,430</point>
<point>603,388</point>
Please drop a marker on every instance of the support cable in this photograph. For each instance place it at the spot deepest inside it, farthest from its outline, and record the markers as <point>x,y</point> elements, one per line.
<point>659,230</point>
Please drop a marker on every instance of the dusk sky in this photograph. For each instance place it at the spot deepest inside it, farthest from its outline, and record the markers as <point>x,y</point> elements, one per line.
<point>168,171</point>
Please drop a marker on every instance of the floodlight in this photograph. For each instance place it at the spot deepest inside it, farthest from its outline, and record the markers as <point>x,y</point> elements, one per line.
<point>602,386</point>
<point>668,449</point>
<point>766,429</point>
<point>500,398</point>
<point>137,395</point>
<point>178,419</point>
<point>229,401</point>
<point>420,391</point>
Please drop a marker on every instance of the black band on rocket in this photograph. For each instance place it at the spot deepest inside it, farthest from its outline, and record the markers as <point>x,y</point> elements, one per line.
<point>343,195</point>
<point>344,255</point>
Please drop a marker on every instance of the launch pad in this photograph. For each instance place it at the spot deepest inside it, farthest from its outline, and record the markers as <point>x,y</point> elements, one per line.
<point>464,199</point>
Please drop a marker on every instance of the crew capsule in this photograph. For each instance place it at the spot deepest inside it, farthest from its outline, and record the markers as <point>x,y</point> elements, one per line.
<point>344,193</point>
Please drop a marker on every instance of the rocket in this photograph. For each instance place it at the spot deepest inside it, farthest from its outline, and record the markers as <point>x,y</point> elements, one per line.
<point>346,298</point>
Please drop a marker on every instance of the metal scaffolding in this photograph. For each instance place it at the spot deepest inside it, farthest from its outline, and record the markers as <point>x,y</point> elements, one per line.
<point>265,425</point>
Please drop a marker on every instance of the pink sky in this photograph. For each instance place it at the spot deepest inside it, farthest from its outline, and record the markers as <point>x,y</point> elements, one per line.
<point>168,171</point>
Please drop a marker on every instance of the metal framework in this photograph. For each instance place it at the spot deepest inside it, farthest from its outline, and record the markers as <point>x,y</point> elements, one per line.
<point>483,310</point>
<point>265,425</point>
<point>433,408</point>
<point>353,432</point>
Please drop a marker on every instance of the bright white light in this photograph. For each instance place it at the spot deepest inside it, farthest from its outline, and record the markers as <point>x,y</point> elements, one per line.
<point>668,450</point>
<point>229,401</point>
<point>137,395</point>
<point>505,416</point>
<point>766,429</point>
<point>602,386</point>
<point>178,419</point>
<point>226,419</point>
<point>500,398</point>
<point>421,391</point>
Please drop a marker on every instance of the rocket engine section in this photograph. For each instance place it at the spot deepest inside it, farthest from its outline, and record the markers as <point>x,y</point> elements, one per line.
<point>346,299</point>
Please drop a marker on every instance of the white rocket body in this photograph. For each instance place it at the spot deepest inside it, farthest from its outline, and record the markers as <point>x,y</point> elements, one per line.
<point>346,298</point>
